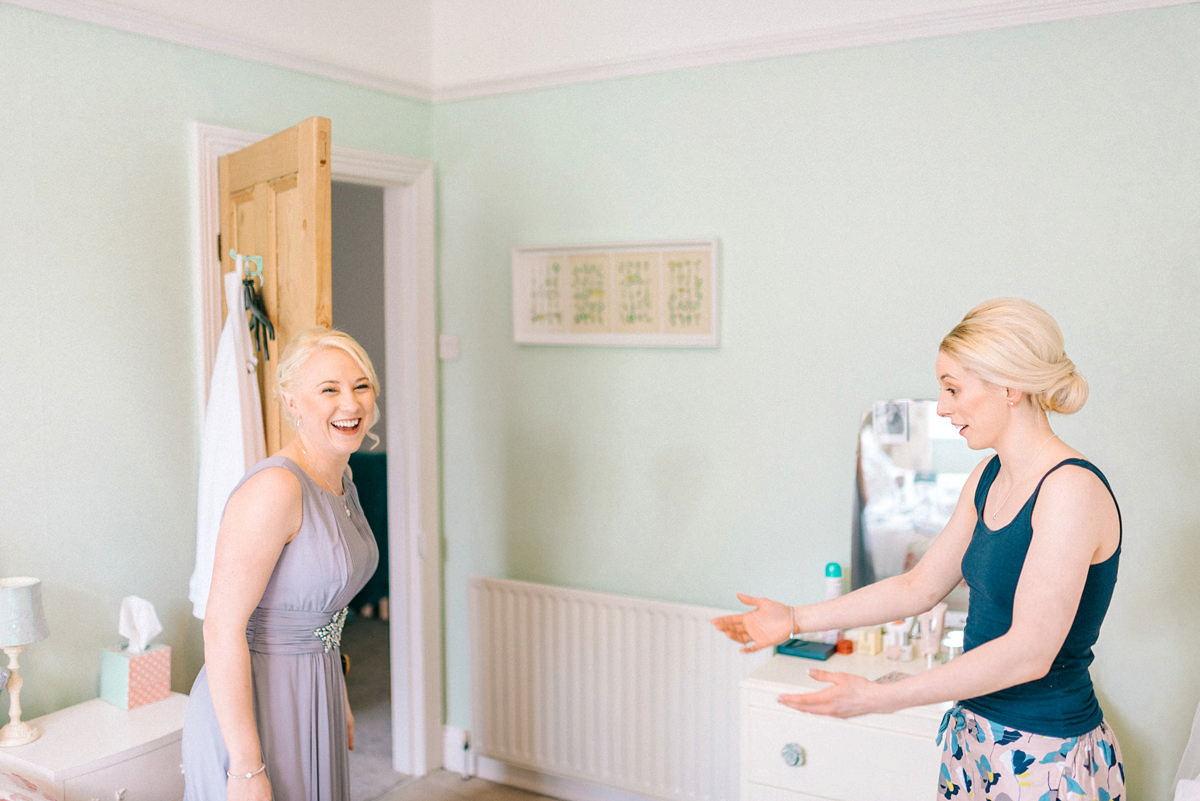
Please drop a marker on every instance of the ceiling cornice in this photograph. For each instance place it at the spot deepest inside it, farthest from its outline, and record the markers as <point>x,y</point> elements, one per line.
<point>895,29</point>
<point>110,15</point>
<point>881,31</point>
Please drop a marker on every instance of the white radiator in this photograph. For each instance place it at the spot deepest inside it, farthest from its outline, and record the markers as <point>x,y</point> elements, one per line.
<point>626,693</point>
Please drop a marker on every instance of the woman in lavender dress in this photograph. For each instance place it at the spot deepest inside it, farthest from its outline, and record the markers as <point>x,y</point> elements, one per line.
<point>268,715</point>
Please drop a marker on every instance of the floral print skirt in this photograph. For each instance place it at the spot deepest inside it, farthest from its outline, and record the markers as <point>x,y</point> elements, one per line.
<point>984,761</point>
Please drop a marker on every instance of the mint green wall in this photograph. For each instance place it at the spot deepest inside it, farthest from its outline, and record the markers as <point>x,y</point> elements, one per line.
<point>864,200</point>
<point>101,306</point>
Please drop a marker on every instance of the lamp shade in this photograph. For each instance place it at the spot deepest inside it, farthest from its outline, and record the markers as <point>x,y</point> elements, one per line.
<point>22,620</point>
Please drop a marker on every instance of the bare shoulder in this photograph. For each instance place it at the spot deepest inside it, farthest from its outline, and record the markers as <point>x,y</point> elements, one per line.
<point>270,502</point>
<point>273,479</point>
<point>1076,481</point>
<point>1075,502</point>
<point>270,485</point>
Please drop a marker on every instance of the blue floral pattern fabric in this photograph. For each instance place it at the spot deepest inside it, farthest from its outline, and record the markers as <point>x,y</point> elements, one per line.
<point>985,761</point>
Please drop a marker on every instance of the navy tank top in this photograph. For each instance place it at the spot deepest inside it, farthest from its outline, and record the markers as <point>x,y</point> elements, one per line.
<point>1062,703</point>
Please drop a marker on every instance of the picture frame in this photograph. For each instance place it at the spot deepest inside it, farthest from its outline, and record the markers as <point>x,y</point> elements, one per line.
<point>652,294</point>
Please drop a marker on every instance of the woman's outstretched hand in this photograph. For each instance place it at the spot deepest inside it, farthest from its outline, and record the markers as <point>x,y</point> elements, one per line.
<point>846,696</point>
<point>768,623</point>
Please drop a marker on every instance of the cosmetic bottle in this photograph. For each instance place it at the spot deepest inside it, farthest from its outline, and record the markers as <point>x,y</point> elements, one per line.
<point>897,643</point>
<point>932,626</point>
<point>833,588</point>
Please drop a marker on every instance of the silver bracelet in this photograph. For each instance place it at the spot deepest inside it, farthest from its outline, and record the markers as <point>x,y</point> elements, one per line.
<point>246,775</point>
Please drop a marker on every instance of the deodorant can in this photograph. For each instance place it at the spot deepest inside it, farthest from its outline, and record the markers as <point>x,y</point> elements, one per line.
<point>833,588</point>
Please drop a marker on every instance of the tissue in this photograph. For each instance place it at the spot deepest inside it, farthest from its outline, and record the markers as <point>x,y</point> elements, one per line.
<point>140,673</point>
<point>138,623</point>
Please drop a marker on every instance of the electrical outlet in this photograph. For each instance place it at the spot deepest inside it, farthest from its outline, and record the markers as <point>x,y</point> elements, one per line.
<point>457,754</point>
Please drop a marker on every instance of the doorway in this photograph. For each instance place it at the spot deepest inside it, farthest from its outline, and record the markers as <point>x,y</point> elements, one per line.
<point>409,410</point>
<point>357,234</point>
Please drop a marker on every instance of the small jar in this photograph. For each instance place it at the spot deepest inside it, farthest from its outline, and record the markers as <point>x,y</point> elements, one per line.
<point>953,643</point>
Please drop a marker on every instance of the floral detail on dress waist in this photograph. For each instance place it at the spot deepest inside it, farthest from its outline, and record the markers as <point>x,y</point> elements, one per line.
<point>331,632</point>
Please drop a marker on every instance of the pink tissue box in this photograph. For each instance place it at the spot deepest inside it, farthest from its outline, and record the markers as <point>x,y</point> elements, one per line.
<point>132,680</point>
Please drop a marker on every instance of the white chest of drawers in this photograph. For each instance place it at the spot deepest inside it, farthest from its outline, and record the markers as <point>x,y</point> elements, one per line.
<point>95,750</point>
<point>793,756</point>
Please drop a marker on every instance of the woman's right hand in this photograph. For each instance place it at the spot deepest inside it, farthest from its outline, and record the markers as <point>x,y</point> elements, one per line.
<point>768,623</point>
<point>256,788</point>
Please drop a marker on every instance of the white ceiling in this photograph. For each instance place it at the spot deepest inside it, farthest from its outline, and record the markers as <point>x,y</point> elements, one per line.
<point>447,49</point>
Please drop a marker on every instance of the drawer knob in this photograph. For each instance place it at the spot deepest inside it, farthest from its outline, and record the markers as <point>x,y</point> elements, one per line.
<point>793,755</point>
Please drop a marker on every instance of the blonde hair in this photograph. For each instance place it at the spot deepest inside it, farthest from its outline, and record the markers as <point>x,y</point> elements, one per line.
<point>305,344</point>
<point>1016,343</point>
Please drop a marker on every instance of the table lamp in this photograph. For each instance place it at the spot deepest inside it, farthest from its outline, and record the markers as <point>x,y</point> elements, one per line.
<point>21,622</point>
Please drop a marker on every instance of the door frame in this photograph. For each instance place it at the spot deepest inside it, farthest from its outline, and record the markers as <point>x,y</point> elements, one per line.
<point>409,409</point>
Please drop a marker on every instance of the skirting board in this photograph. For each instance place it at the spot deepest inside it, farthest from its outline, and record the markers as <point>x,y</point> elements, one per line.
<point>461,760</point>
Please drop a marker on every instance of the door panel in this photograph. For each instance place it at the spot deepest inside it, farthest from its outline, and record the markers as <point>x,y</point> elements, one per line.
<point>275,203</point>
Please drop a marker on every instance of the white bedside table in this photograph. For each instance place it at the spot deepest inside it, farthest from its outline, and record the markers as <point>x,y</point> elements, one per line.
<point>95,750</point>
<point>793,756</point>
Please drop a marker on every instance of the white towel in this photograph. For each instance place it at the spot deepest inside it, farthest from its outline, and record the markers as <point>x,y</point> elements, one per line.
<point>232,441</point>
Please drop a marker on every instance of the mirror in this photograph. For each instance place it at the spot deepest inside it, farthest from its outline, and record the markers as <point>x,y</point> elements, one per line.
<point>912,465</point>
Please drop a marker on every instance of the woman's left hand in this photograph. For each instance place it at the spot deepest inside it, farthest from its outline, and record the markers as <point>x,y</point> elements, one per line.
<point>349,724</point>
<point>846,696</point>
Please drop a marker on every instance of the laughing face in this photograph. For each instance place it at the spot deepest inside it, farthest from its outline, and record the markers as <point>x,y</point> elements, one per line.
<point>975,406</point>
<point>333,400</point>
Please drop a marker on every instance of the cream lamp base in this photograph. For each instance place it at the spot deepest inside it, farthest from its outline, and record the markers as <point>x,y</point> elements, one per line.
<point>16,732</point>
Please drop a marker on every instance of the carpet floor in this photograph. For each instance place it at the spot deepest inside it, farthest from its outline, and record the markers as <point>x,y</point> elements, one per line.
<point>365,641</point>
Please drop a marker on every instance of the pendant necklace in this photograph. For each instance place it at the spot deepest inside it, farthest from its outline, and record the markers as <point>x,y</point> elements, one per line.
<point>323,481</point>
<point>1013,486</point>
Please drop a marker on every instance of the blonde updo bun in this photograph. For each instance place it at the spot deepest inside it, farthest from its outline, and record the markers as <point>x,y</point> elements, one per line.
<point>1015,343</point>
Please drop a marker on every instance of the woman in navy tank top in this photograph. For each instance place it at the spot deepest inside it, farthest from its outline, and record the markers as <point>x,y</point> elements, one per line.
<point>1036,535</point>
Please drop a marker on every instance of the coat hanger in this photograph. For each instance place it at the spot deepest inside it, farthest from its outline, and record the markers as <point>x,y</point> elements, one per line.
<point>261,329</point>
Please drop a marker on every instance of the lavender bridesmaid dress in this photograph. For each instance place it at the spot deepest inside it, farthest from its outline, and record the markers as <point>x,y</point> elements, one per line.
<point>295,660</point>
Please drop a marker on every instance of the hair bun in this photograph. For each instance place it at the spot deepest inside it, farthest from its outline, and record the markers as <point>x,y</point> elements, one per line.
<point>1069,394</point>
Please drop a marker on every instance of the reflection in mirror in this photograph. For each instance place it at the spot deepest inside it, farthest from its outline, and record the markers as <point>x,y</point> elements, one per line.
<point>912,465</point>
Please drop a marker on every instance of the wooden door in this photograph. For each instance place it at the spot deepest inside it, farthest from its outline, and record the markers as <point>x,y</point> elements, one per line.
<point>275,203</point>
